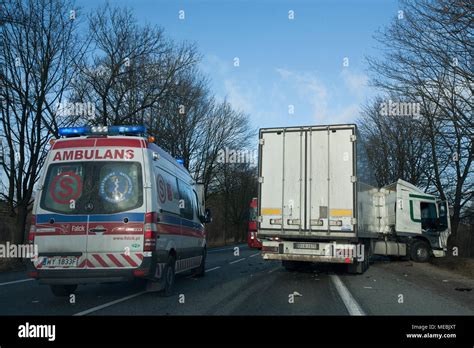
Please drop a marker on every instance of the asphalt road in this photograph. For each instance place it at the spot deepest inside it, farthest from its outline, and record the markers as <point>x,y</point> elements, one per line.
<point>248,285</point>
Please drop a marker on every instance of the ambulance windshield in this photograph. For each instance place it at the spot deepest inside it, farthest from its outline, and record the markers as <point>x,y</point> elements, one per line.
<point>92,187</point>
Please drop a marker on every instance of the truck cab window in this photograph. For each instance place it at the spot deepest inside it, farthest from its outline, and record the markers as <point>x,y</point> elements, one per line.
<point>443,215</point>
<point>428,215</point>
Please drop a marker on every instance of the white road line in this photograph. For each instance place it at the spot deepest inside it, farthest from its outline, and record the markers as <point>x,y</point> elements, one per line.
<point>207,270</point>
<point>212,269</point>
<point>254,254</point>
<point>351,304</point>
<point>273,270</point>
<point>230,263</point>
<point>108,304</point>
<point>17,281</point>
<point>240,246</point>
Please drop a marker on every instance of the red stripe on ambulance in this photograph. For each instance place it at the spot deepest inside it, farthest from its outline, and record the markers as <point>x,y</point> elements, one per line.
<point>115,260</point>
<point>129,260</point>
<point>68,144</point>
<point>100,260</point>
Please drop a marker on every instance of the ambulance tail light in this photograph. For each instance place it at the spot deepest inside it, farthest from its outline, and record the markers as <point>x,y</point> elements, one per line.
<point>151,231</point>
<point>140,272</point>
<point>31,235</point>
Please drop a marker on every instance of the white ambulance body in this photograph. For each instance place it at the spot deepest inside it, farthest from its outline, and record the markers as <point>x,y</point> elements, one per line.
<point>113,206</point>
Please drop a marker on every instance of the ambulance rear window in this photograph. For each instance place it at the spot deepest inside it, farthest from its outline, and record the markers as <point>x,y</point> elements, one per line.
<point>119,187</point>
<point>63,187</point>
<point>95,187</point>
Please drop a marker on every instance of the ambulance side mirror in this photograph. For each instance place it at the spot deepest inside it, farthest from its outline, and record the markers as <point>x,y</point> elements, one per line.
<point>207,216</point>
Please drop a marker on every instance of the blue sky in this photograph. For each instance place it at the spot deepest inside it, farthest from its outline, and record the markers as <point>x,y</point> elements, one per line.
<point>285,65</point>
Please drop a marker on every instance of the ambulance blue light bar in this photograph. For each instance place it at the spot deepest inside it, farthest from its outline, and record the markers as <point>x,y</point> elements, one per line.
<point>105,130</point>
<point>127,130</point>
<point>71,131</point>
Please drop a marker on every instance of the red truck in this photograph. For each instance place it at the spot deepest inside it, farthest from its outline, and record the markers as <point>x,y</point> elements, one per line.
<point>252,239</point>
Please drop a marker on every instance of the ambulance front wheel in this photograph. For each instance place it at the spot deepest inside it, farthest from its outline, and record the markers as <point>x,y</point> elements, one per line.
<point>63,290</point>
<point>169,276</point>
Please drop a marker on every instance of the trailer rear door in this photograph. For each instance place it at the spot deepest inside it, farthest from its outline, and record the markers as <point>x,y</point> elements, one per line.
<point>307,181</point>
<point>283,172</point>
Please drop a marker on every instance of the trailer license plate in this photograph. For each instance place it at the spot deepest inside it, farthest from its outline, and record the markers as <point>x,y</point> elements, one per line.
<point>60,261</point>
<point>314,246</point>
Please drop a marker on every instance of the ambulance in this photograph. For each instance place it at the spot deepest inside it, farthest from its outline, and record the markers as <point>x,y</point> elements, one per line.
<point>113,206</point>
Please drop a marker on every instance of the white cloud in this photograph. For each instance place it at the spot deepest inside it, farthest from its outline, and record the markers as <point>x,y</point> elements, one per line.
<point>356,83</point>
<point>236,96</point>
<point>329,103</point>
<point>310,89</point>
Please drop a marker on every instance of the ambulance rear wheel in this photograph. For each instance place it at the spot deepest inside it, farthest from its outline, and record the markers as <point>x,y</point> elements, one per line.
<point>63,290</point>
<point>169,276</point>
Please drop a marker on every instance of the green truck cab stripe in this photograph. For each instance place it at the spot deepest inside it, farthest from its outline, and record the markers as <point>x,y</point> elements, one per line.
<point>422,197</point>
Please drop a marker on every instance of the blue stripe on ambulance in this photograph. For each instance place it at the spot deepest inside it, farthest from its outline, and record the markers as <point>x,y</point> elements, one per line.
<point>132,217</point>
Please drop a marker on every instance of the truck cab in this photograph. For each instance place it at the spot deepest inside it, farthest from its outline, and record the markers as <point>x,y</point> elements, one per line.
<point>420,220</point>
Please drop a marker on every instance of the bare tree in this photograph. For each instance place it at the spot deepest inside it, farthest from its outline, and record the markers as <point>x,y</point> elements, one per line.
<point>39,48</point>
<point>428,60</point>
<point>396,145</point>
<point>131,68</point>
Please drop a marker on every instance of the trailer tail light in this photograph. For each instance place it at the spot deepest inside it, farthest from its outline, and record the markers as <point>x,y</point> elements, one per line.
<point>31,234</point>
<point>151,231</point>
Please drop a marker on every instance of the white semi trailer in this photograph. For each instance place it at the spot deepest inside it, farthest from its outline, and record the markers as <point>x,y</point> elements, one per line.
<point>318,202</point>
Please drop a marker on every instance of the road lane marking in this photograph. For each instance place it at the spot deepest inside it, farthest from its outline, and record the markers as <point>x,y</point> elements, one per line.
<point>212,269</point>
<point>351,304</point>
<point>254,254</point>
<point>17,281</point>
<point>273,270</point>
<point>207,270</point>
<point>108,304</point>
<point>230,263</point>
<point>240,246</point>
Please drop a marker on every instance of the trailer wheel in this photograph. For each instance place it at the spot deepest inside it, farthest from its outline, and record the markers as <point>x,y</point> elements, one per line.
<point>420,251</point>
<point>169,276</point>
<point>63,290</point>
<point>201,270</point>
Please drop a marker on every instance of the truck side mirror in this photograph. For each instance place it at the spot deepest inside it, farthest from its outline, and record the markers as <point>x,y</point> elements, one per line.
<point>207,216</point>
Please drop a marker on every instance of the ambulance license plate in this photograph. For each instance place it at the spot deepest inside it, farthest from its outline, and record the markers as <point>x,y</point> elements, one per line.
<point>60,261</point>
